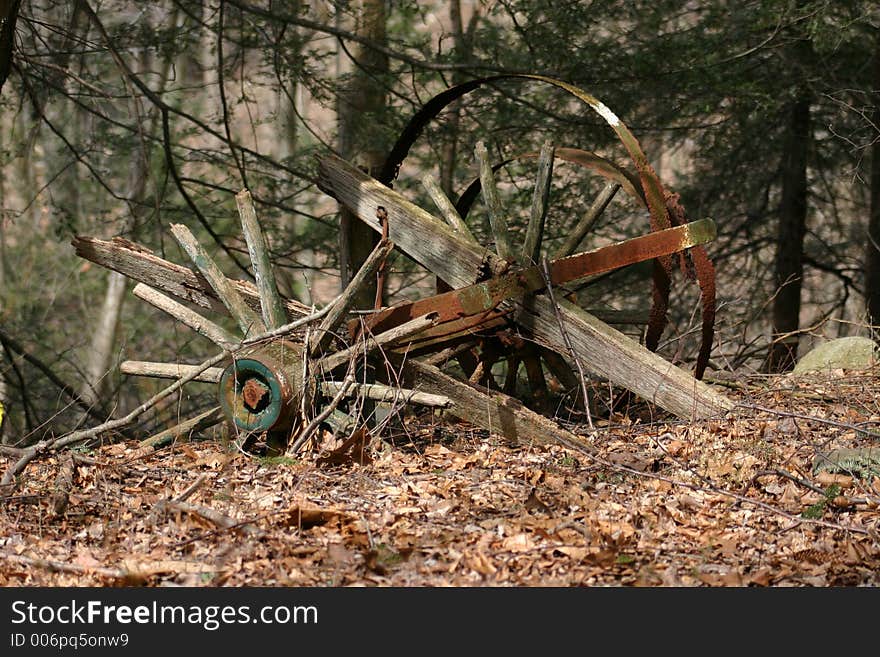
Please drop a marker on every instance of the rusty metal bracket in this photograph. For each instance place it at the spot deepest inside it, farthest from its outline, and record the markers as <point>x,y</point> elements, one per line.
<point>482,300</point>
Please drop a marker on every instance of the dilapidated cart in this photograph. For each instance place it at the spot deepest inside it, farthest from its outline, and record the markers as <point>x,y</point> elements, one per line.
<point>290,368</point>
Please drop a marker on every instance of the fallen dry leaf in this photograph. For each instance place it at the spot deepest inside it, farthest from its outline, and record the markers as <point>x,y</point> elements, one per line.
<point>443,504</point>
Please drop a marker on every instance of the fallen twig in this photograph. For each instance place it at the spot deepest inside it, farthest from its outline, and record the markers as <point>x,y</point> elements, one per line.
<point>61,567</point>
<point>193,487</point>
<point>131,570</point>
<point>211,515</point>
<point>812,418</point>
<point>63,485</point>
<point>545,272</point>
<point>306,433</point>
<point>779,472</point>
<point>840,500</point>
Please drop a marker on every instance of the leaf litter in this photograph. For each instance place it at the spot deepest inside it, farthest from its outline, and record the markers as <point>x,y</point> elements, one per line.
<point>735,501</point>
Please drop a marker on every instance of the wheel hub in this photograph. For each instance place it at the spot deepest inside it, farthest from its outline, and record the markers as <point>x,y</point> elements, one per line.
<point>262,391</point>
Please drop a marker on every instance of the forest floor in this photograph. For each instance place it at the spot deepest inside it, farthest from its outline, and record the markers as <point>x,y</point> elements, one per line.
<point>736,501</point>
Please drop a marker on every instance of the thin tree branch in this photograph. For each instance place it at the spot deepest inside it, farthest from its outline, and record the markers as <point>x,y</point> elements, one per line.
<point>8,341</point>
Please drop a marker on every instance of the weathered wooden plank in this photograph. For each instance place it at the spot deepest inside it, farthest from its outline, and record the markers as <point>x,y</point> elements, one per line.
<point>270,301</point>
<point>419,234</point>
<point>494,411</point>
<point>612,355</point>
<point>214,332</point>
<point>249,322</point>
<point>139,264</point>
<point>604,351</point>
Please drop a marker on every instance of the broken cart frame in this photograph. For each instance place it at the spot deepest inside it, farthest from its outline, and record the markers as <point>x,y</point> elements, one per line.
<point>288,370</point>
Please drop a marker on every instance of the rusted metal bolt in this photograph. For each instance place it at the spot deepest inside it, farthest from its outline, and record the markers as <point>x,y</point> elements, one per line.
<point>254,392</point>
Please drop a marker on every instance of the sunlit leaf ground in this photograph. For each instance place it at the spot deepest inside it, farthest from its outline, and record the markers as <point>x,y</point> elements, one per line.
<point>727,502</point>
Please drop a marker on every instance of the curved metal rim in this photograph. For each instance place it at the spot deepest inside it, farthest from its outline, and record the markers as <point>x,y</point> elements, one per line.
<point>657,198</point>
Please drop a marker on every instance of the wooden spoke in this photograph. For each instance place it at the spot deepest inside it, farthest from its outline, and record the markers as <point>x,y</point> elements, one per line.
<point>324,333</point>
<point>383,393</point>
<point>535,373</point>
<point>270,301</point>
<point>494,411</point>
<point>540,200</point>
<point>169,370</point>
<point>141,265</point>
<point>497,219</point>
<point>447,209</point>
<point>214,332</point>
<point>186,428</point>
<point>247,319</point>
<point>560,369</point>
<point>513,363</point>
<point>586,222</point>
<point>444,355</point>
<point>482,374</point>
<point>391,336</point>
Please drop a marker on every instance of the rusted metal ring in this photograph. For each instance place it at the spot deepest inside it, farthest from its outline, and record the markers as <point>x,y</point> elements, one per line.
<point>257,395</point>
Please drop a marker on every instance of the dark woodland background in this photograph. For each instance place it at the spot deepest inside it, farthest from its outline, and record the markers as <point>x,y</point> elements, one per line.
<point>118,118</point>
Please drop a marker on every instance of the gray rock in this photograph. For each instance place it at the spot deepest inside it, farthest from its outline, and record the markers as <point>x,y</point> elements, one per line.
<point>853,353</point>
<point>863,462</point>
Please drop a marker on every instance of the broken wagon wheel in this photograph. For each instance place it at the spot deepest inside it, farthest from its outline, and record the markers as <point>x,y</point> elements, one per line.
<point>505,343</point>
<point>452,257</point>
<point>616,178</point>
<point>269,387</point>
<point>280,384</point>
<point>276,384</point>
<point>664,209</point>
<point>273,384</point>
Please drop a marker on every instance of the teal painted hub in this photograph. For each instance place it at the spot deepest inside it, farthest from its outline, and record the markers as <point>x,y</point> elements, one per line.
<point>255,395</point>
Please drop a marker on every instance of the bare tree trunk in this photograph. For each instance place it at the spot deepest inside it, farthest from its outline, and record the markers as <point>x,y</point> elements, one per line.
<point>3,406</point>
<point>292,114</point>
<point>361,102</point>
<point>103,341</point>
<point>450,148</point>
<point>872,263</point>
<point>3,392</point>
<point>790,238</point>
<point>8,14</point>
<point>463,39</point>
<point>290,99</point>
<point>2,224</point>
